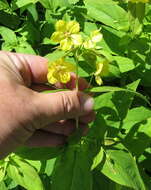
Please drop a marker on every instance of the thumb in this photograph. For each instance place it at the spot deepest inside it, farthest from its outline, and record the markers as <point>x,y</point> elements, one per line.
<point>61,105</point>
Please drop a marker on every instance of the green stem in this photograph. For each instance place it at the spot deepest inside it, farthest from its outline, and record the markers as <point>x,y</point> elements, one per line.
<point>77,82</point>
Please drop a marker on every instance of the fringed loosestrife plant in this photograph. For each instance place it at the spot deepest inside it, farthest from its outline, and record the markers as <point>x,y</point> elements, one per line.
<point>69,38</point>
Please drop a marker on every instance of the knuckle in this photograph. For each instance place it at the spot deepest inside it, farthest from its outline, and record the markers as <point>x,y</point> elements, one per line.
<point>70,103</point>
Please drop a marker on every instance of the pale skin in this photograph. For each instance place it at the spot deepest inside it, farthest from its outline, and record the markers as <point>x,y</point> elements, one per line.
<point>29,117</point>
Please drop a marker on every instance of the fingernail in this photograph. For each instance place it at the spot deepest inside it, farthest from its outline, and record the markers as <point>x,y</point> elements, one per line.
<point>87,102</point>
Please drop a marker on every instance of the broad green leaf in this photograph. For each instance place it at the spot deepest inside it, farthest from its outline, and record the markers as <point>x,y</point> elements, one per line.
<point>3,5</point>
<point>24,174</point>
<point>8,35</point>
<point>24,47</point>
<point>49,166</point>
<point>44,153</point>
<point>53,91</point>
<point>121,167</point>
<point>112,108</point>
<point>54,4</point>
<point>117,89</point>
<point>2,173</point>
<point>3,186</point>
<point>125,64</point>
<point>137,125</point>
<point>139,137</point>
<point>72,171</point>
<point>32,9</point>
<point>135,116</point>
<point>136,14</point>
<point>108,12</point>
<point>22,3</point>
<point>73,1</point>
<point>112,37</point>
<point>37,164</point>
<point>97,159</point>
<point>55,55</point>
<point>11,184</point>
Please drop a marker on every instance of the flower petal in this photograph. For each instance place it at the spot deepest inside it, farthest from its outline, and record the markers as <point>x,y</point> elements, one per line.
<point>64,77</point>
<point>60,26</point>
<point>51,78</point>
<point>73,27</point>
<point>76,39</point>
<point>88,44</point>
<point>57,36</point>
<point>70,67</point>
<point>96,36</point>
<point>98,80</point>
<point>99,68</point>
<point>66,44</point>
<point>105,70</point>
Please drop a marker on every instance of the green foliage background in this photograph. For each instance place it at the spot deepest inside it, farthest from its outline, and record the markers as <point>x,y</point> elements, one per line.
<point>116,153</point>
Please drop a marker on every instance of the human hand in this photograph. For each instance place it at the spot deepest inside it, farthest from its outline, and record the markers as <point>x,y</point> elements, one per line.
<point>33,118</point>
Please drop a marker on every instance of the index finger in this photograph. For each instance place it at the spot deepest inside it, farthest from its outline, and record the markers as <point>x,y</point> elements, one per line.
<point>31,67</point>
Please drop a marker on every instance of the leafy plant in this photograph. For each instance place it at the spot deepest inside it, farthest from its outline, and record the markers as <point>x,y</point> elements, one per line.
<point>108,43</point>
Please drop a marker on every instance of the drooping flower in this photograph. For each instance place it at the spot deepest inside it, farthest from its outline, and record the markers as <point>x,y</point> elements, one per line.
<point>95,37</point>
<point>67,34</point>
<point>102,69</point>
<point>59,71</point>
<point>139,1</point>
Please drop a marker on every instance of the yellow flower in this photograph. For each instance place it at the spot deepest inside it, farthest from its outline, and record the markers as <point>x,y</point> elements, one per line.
<point>59,71</point>
<point>67,34</point>
<point>95,37</point>
<point>102,69</point>
<point>139,1</point>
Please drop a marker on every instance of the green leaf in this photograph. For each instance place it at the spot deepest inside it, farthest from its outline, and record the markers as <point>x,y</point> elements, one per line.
<point>72,171</point>
<point>121,167</point>
<point>54,4</point>
<point>49,166</point>
<point>2,173</point>
<point>53,91</point>
<point>102,89</point>
<point>44,153</point>
<point>3,5</point>
<point>73,1</point>
<point>3,186</point>
<point>24,174</point>
<point>136,115</point>
<point>22,3</point>
<point>32,9</point>
<point>138,136</point>
<point>97,159</point>
<point>112,108</point>
<point>55,55</point>
<point>136,15</point>
<point>125,64</point>
<point>108,12</point>
<point>8,35</point>
<point>24,47</point>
